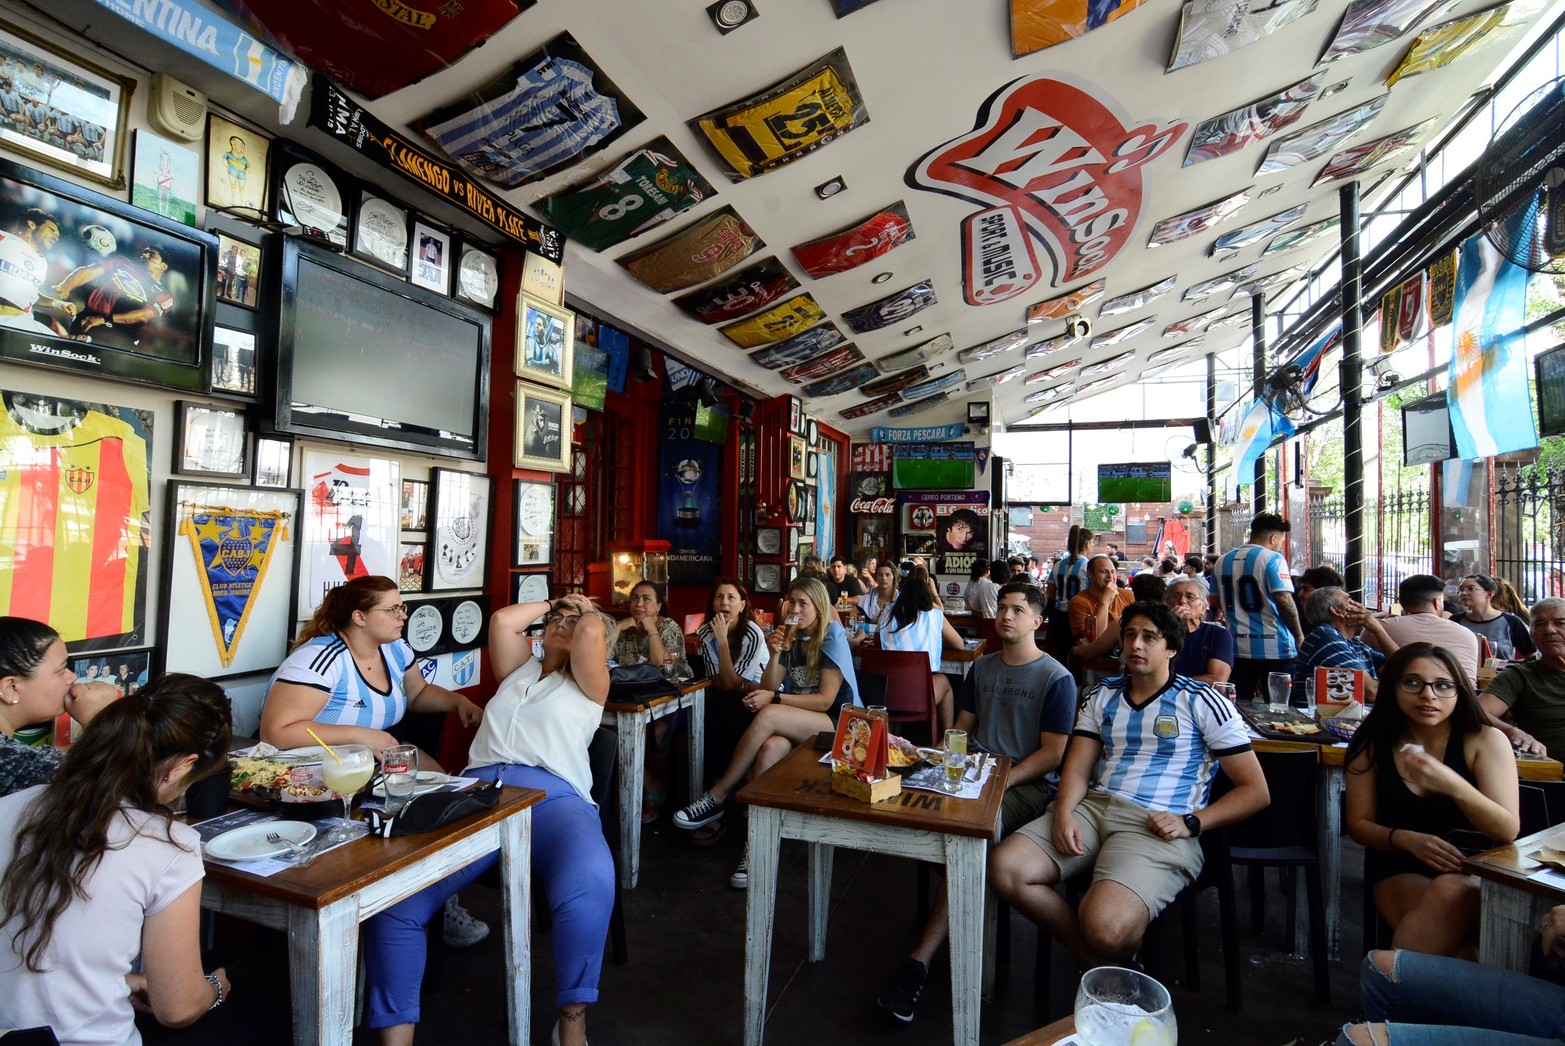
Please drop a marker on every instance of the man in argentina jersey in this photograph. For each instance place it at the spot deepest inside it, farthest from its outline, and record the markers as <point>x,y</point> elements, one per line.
<point>1132,799</point>
<point>1257,600</point>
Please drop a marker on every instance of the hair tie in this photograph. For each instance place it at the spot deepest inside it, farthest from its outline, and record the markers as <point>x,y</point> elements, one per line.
<point>145,696</point>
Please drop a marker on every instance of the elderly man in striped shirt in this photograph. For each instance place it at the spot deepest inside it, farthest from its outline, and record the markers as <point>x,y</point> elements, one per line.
<point>1133,798</point>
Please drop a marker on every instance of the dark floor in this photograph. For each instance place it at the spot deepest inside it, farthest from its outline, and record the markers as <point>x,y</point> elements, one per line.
<point>684,979</point>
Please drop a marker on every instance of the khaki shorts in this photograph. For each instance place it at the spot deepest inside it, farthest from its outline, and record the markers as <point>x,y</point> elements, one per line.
<point>1023,803</point>
<point>1121,848</point>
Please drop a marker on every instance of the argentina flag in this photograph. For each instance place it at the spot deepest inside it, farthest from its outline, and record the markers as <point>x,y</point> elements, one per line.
<point>1262,424</point>
<point>1487,382</point>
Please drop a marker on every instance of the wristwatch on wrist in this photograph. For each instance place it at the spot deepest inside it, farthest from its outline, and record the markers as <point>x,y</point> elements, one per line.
<point>1193,825</point>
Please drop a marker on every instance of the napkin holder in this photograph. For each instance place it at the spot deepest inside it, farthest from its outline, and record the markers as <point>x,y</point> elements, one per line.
<point>866,791</point>
<point>859,756</point>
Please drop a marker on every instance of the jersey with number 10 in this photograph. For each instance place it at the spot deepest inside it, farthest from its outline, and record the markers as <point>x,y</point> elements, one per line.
<point>1247,577</point>
<point>1070,580</point>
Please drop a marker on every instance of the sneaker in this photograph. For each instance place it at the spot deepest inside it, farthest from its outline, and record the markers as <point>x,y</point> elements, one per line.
<point>461,930</point>
<point>703,811</point>
<point>740,880</point>
<point>901,995</point>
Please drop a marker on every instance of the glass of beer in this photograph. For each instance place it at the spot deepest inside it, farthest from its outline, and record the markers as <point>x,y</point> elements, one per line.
<point>955,759</point>
<point>790,632</point>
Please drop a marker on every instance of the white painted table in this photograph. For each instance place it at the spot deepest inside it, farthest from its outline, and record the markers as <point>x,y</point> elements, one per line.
<point>321,906</point>
<point>630,722</point>
<point>794,800</point>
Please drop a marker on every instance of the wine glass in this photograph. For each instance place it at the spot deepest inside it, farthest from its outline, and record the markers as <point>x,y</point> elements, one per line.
<point>350,771</point>
<point>1119,1007</point>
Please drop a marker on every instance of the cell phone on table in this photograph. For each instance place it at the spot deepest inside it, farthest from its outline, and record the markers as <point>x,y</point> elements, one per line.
<point>1471,843</point>
<point>824,740</point>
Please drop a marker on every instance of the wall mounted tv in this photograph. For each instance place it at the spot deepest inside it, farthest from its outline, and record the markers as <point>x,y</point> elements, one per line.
<point>1135,481</point>
<point>368,358</point>
<point>1426,431</point>
<point>1549,368</point>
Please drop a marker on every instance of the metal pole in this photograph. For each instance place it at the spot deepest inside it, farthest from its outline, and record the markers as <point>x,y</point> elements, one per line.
<point>1352,399</point>
<point>1258,370</point>
<point>1211,453</point>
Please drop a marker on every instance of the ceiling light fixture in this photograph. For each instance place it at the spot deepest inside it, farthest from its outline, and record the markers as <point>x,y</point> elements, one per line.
<point>1336,88</point>
<point>729,15</point>
<point>912,331</point>
<point>826,190</point>
<point>1268,191</point>
<point>880,277</point>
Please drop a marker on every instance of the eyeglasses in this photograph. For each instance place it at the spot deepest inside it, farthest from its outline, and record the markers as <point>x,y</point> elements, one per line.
<point>400,608</point>
<point>1415,685</point>
<point>564,620</point>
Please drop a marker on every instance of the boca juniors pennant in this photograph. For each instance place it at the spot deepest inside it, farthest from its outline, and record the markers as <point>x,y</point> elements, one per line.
<point>1054,167</point>
<point>232,548</point>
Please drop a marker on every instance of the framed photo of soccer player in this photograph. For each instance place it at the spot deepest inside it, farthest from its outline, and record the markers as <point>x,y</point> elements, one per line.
<point>61,110</point>
<point>545,342</point>
<point>126,294</point>
<point>431,258</point>
<point>543,429</point>
<point>238,271</point>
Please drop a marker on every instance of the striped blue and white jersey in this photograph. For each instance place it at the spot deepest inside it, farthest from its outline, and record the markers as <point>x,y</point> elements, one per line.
<point>1070,580</point>
<point>553,114</point>
<point>325,663</point>
<point>1247,579</point>
<point>1162,755</point>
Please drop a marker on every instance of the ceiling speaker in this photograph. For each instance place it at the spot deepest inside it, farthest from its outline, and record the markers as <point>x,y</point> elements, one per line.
<point>175,109</point>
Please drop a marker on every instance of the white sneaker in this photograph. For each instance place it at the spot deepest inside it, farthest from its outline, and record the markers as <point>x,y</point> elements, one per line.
<point>740,880</point>
<point>461,930</point>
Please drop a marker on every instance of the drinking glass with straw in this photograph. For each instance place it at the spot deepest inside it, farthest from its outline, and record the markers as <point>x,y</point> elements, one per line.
<point>348,769</point>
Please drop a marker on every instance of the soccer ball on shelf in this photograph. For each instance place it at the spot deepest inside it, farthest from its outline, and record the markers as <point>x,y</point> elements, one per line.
<point>99,240</point>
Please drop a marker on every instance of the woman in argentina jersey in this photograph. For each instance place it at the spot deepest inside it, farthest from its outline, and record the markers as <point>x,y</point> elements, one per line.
<point>352,676</point>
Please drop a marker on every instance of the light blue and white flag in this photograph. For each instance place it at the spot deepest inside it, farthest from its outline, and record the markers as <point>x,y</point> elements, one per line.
<point>1262,424</point>
<point>1487,386</point>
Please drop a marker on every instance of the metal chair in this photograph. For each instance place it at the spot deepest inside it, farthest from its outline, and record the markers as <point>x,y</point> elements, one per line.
<point>910,686</point>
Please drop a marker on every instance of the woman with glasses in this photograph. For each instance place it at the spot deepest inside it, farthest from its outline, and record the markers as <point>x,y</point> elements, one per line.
<point>1506,632</point>
<point>1427,778</point>
<point>535,734</point>
<point>350,678</point>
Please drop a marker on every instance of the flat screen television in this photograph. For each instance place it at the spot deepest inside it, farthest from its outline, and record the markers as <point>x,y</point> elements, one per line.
<point>1135,481</point>
<point>366,357</point>
<point>1426,431</point>
<point>1549,367</point>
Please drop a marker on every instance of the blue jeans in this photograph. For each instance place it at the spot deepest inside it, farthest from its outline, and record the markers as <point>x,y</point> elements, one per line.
<point>1434,1001</point>
<point>570,859</point>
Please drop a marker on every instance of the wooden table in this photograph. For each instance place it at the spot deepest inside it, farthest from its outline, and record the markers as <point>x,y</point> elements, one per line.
<point>1049,1035</point>
<point>320,907</point>
<point>794,800</point>
<point>1512,903</point>
<point>1330,787</point>
<point>960,662</point>
<point>630,721</point>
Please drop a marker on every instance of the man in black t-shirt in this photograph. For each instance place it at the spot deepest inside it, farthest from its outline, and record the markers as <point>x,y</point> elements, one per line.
<point>841,580</point>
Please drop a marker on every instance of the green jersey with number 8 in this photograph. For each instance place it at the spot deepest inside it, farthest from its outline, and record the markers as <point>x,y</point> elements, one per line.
<point>642,190</point>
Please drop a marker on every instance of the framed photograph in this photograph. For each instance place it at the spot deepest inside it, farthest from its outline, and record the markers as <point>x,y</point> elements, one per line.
<point>543,278</point>
<point>545,342</point>
<point>815,464</point>
<point>410,565</point>
<point>459,531</point>
<point>769,541</point>
<point>230,571</point>
<point>543,433</point>
<point>94,248</point>
<point>309,196</point>
<point>477,277</point>
<point>238,271</point>
<point>530,588</point>
<point>61,110</point>
<point>233,361</point>
<point>273,462</point>
<point>415,505</point>
<point>768,579</point>
<point>352,508</point>
<point>380,233</point>
<point>795,415</point>
<point>797,457</point>
<point>211,440</point>
<point>125,670</point>
<point>165,178</point>
<point>236,168</point>
<point>793,544</point>
<point>431,258</point>
<point>534,523</point>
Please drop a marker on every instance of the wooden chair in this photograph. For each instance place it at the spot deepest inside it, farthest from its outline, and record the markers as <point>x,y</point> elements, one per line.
<point>910,686</point>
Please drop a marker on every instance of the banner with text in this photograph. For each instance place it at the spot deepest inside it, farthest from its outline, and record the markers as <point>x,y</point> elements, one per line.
<point>689,471</point>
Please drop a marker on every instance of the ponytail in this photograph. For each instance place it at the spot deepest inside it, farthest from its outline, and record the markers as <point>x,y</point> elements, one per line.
<point>339,604</point>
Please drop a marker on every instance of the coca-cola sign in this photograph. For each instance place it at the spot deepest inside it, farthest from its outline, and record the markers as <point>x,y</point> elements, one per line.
<point>873,506</point>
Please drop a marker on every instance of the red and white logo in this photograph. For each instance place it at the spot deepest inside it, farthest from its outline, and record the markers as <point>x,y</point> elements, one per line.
<point>1066,163</point>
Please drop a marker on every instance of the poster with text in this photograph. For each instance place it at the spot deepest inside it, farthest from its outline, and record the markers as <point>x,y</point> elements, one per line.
<point>352,510</point>
<point>689,471</point>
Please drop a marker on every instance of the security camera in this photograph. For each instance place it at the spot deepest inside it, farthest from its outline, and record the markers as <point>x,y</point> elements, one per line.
<point>1387,379</point>
<point>1077,327</point>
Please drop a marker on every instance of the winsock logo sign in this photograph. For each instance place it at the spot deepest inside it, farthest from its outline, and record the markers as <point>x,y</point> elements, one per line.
<point>1048,159</point>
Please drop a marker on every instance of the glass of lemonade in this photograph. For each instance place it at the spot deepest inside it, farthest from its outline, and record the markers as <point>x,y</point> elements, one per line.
<point>350,771</point>
<point>955,759</point>
<point>1119,1007</point>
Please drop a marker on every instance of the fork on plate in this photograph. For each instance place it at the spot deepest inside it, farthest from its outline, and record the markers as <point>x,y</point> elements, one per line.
<point>276,837</point>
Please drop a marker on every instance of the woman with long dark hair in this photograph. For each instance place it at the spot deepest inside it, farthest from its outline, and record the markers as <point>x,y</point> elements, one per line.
<point>646,636</point>
<point>98,871</point>
<point>736,655</point>
<point>1426,777</point>
<point>917,623</point>
<point>36,685</point>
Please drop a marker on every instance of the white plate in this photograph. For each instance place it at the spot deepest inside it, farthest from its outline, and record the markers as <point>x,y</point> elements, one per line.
<point>427,781</point>
<point>249,843</point>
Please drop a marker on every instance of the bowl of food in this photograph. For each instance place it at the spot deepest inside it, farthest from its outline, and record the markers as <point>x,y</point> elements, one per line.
<point>1342,729</point>
<point>902,756</point>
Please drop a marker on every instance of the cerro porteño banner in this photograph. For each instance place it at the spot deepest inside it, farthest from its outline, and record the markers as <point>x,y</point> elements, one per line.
<point>689,470</point>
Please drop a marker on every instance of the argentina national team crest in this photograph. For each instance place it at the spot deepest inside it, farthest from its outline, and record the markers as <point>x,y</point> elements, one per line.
<point>1166,727</point>
<point>233,548</point>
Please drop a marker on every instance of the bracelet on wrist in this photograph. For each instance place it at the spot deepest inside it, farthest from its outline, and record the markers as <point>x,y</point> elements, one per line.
<point>217,986</point>
<point>1391,839</point>
<point>777,696</point>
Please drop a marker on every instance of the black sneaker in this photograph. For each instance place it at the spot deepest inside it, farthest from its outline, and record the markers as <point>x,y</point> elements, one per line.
<point>901,995</point>
<point>703,811</point>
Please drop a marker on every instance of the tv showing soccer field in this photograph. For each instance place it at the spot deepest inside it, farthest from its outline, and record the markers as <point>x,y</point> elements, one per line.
<point>1135,481</point>
<point>1549,368</point>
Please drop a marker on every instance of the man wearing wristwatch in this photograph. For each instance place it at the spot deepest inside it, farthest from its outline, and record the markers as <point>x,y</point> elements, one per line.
<point>1132,798</point>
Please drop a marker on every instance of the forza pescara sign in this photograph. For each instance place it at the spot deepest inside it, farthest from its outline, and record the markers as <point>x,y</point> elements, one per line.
<point>1054,167</point>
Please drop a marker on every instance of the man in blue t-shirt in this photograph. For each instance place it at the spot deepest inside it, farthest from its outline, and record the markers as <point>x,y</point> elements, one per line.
<point>1018,703</point>
<point>1257,600</point>
<point>1208,652</point>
